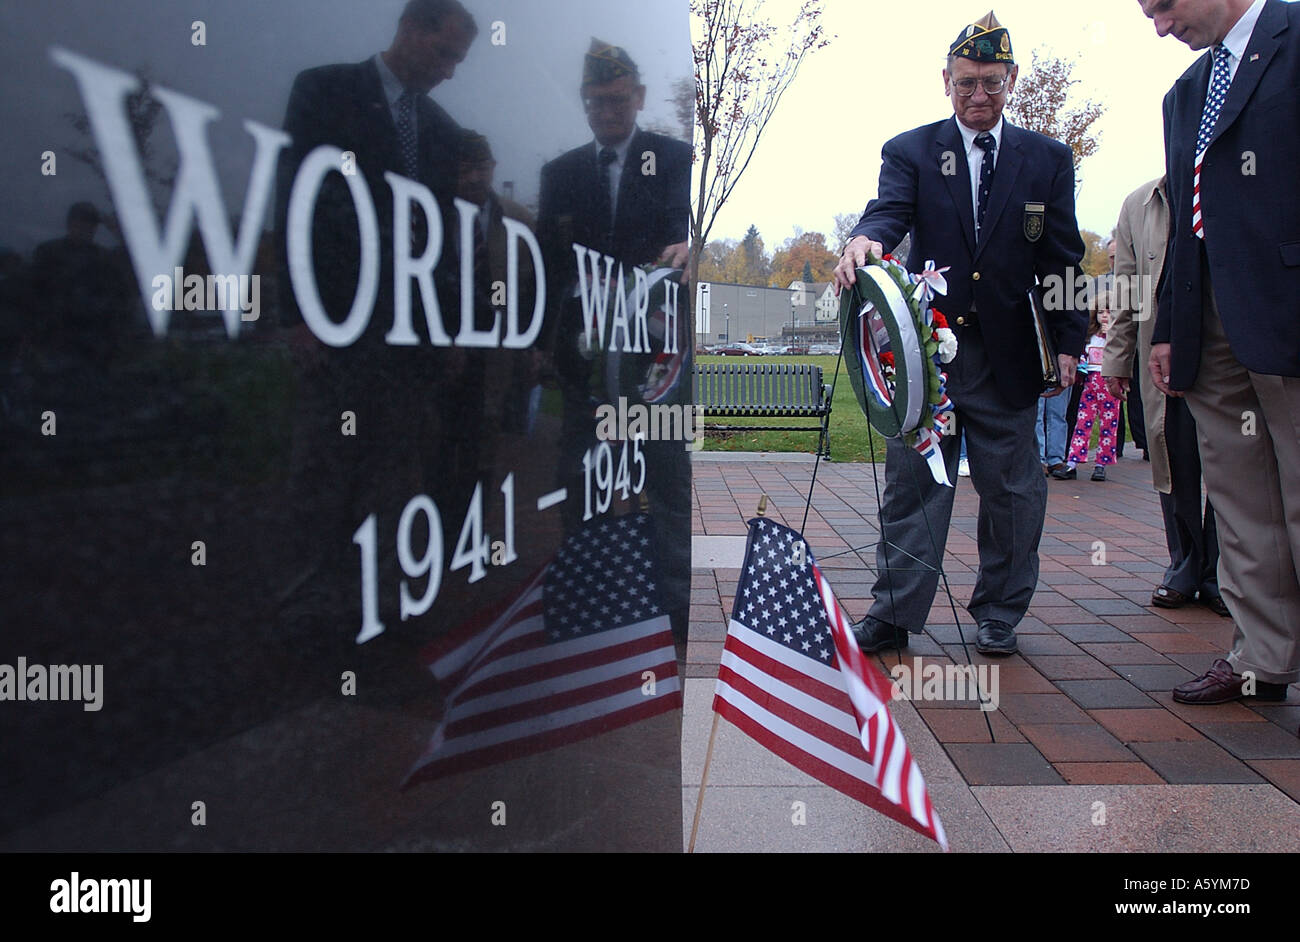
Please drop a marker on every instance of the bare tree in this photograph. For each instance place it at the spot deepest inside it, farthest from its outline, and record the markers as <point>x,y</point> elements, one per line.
<point>844,223</point>
<point>740,77</point>
<point>1040,103</point>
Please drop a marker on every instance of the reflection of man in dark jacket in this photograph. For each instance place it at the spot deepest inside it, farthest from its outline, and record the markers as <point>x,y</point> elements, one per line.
<point>377,423</point>
<point>379,113</point>
<point>626,194</point>
<point>82,294</point>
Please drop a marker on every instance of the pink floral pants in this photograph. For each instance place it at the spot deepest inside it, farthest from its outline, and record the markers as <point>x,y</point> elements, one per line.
<point>1096,403</point>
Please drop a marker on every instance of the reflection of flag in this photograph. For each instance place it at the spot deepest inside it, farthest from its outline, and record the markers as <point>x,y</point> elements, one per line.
<point>793,678</point>
<point>567,658</point>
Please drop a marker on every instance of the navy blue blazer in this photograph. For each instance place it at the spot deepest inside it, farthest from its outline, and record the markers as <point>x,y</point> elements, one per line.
<point>1016,243</point>
<point>1250,206</point>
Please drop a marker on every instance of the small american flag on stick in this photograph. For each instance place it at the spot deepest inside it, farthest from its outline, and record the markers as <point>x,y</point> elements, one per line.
<point>793,678</point>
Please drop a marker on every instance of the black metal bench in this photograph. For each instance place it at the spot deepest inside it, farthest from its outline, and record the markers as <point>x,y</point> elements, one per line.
<point>766,390</point>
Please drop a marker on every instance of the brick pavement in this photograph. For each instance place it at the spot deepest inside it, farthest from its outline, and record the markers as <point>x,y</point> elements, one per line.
<point>1087,700</point>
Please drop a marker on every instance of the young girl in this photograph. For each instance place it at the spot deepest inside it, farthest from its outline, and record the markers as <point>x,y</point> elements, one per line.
<point>1096,402</point>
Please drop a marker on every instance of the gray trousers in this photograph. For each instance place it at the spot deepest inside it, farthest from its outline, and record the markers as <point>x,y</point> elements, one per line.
<point>915,511</point>
<point>1190,534</point>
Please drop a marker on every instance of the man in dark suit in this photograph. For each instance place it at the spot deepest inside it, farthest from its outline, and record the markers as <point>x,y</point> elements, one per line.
<point>1227,335</point>
<point>996,203</point>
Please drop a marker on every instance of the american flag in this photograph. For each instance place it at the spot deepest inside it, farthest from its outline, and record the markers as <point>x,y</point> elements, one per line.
<point>567,658</point>
<point>793,678</point>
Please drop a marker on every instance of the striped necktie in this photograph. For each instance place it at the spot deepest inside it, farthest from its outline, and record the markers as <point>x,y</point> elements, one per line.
<point>1220,79</point>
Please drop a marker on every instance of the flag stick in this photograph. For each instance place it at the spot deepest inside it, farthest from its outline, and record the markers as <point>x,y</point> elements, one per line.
<point>713,732</point>
<point>704,780</point>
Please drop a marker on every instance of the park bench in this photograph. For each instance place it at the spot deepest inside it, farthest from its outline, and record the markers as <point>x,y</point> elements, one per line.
<point>780,390</point>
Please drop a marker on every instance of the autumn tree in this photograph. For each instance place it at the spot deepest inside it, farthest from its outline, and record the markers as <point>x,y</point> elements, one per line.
<point>743,262</point>
<point>1096,260</point>
<point>741,74</point>
<point>1041,102</point>
<point>803,257</point>
<point>757,268</point>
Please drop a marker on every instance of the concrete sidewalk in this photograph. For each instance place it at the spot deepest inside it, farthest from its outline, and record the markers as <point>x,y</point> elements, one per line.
<point>1089,751</point>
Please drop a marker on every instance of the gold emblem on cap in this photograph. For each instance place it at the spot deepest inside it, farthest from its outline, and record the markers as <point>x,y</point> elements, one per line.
<point>1006,43</point>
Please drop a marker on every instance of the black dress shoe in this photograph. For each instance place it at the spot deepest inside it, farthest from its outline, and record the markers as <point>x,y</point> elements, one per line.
<point>872,635</point>
<point>995,637</point>
<point>1065,474</point>
<point>1165,597</point>
<point>1050,470</point>
<point>1099,473</point>
<point>1220,685</point>
<point>1215,604</point>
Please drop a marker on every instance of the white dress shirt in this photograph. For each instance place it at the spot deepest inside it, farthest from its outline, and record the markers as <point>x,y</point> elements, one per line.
<point>1238,39</point>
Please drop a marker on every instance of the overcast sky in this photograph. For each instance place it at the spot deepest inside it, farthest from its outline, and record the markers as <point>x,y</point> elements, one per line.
<point>881,76</point>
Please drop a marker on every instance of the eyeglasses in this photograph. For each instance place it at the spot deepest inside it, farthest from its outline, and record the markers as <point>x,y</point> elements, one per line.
<point>992,86</point>
<point>606,102</point>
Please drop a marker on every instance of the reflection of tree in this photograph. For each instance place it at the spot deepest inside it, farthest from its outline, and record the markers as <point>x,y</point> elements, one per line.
<point>142,111</point>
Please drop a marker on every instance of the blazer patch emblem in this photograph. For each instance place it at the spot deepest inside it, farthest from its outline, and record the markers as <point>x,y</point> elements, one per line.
<point>1034,213</point>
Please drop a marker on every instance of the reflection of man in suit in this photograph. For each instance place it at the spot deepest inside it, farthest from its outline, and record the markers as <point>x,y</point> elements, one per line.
<point>626,194</point>
<point>405,435</point>
<point>379,110</point>
<point>996,203</point>
<point>1228,331</point>
<point>1193,543</point>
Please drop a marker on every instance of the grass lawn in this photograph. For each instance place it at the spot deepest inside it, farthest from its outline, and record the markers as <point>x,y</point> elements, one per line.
<point>852,439</point>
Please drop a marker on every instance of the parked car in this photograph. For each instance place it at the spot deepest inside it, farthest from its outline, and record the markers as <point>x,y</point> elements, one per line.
<point>738,350</point>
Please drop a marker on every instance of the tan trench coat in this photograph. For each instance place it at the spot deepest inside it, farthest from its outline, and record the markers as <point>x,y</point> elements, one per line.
<point>1140,240</point>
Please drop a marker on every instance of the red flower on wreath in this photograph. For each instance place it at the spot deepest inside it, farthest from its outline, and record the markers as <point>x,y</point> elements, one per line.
<point>887,360</point>
<point>937,320</point>
<point>890,258</point>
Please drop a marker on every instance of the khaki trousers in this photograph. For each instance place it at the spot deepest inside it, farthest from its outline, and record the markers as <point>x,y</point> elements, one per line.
<point>1248,425</point>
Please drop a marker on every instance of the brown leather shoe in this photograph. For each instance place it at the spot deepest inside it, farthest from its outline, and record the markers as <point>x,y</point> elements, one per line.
<point>1220,685</point>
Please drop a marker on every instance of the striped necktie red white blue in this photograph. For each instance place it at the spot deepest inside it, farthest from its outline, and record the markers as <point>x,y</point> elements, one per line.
<point>1220,79</point>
